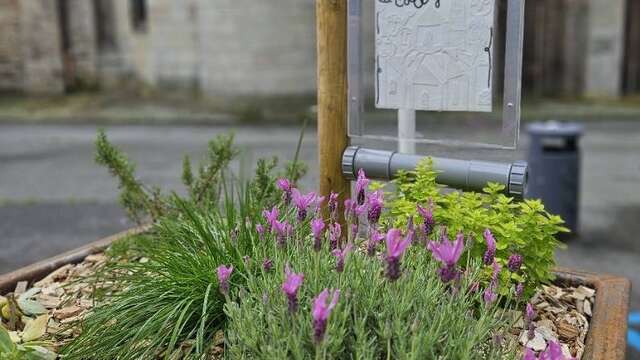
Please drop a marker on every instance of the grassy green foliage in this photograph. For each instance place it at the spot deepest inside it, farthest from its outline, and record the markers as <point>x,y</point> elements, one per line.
<point>172,299</point>
<point>523,227</point>
<point>169,305</point>
<point>147,203</point>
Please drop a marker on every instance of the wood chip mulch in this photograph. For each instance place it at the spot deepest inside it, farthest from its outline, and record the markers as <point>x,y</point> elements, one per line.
<point>563,316</point>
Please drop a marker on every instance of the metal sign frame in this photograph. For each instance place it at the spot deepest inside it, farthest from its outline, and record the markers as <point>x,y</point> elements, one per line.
<point>514,42</point>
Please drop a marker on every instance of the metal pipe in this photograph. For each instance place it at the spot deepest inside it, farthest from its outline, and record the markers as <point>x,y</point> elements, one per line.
<point>461,174</point>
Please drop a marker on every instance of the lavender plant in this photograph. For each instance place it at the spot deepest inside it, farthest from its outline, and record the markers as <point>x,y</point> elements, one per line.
<point>344,295</point>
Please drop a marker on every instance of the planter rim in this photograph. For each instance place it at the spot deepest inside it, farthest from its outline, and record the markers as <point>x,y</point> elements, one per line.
<point>607,337</point>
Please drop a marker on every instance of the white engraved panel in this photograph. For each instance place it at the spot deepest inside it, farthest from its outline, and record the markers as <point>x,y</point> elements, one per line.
<point>434,54</point>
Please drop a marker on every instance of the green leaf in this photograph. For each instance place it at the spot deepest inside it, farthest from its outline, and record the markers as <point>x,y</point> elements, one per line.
<point>6,345</point>
<point>36,352</point>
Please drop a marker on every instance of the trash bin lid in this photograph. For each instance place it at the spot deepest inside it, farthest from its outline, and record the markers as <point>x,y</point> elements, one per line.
<point>555,128</point>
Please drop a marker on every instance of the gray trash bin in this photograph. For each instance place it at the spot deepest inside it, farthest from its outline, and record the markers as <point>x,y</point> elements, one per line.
<point>554,168</point>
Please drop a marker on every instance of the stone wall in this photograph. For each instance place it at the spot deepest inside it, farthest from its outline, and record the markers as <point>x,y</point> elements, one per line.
<point>605,48</point>
<point>10,58</point>
<point>82,52</point>
<point>40,43</point>
<point>246,48</point>
<point>250,47</point>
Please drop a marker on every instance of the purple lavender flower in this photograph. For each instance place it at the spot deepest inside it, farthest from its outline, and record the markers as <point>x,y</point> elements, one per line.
<point>317,228</point>
<point>271,217</point>
<point>427,216</point>
<point>519,290</point>
<point>260,230</point>
<point>286,186</point>
<point>529,355</point>
<point>361,186</point>
<point>282,230</point>
<point>290,287</point>
<point>335,231</point>
<point>496,268</point>
<point>515,262</point>
<point>448,254</point>
<point>373,242</point>
<point>411,231</point>
<point>530,315</point>
<point>491,247</point>
<point>375,202</point>
<point>340,255</point>
<point>302,202</point>
<point>267,264</point>
<point>489,296</point>
<point>553,352</point>
<point>396,246</point>
<point>224,273</point>
<point>348,208</point>
<point>333,206</point>
<point>321,311</point>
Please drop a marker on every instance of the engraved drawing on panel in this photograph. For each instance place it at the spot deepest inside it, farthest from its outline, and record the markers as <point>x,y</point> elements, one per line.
<point>434,56</point>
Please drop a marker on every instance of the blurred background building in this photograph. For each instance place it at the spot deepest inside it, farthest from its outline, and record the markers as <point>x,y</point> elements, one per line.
<point>238,48</point>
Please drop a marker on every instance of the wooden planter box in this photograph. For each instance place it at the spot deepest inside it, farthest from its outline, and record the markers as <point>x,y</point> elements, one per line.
<point>607,338</point>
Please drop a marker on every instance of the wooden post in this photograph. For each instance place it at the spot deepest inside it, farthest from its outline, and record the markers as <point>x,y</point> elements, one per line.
<point>331,21</point>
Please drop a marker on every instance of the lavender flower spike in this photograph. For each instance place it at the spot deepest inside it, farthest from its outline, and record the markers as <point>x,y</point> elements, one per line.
<point>375,202</point>
<point>489,296</point>
<point>282,230</point>
<point>267,264</point>
<point>396,246</point>
<point>302,202</point>
<point>361,186</point>
<point>340,255</point>
<point>317,228</point>
<point>427,216</point>
<point>530,315</point>
<point>260,230</point>
<point>321,311</point>
<point>448,254</point>
<point>335,232</point>
<point>286,186</point>
<point>333,206</point>
<point>515,262</point>
<point>290,287</point>
<point>491,247</point>
<point>271,217</point>
<point>373,242</point>
<point>553,352</point>
<point>224,273</point>
<point>529,355</point>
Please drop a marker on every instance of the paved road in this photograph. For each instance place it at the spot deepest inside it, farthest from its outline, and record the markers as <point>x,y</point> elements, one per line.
<point>53,197</point>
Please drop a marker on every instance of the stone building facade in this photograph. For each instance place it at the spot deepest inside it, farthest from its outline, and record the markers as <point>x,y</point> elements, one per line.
<point>244,48</point>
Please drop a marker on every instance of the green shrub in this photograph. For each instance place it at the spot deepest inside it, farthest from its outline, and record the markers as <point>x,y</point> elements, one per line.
<point>523,228</point>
